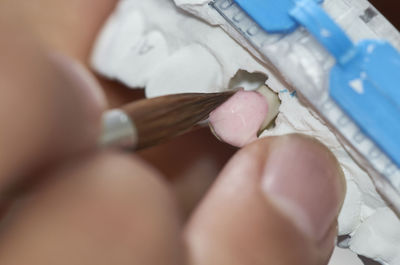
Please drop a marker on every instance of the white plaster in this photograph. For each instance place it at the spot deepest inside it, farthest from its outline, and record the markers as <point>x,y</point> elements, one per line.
<point>144,42</point>
<point>381,236</point>
<point>371,48</point>
<point>343,257</point>
<point>326,33</point>
<point>357,86</point>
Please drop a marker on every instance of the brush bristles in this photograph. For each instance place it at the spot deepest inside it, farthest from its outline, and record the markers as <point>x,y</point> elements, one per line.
<point>165,117</point>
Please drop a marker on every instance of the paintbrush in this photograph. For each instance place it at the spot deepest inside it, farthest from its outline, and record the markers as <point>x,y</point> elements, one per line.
<point>149,122</point>
<point>142,124</point>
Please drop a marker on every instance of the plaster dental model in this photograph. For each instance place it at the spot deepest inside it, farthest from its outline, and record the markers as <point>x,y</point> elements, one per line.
<point>177,46</point>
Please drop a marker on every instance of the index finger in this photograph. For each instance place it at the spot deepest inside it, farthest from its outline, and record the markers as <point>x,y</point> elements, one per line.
<point>49,107</point>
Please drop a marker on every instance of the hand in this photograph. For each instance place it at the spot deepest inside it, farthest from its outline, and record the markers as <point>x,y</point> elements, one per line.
<point>275,202</point>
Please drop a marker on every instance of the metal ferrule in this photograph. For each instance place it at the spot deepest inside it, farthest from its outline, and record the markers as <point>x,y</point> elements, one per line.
<point>118,130</point>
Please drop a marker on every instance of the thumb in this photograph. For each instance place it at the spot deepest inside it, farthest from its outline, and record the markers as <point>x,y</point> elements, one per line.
<point>276,202</point>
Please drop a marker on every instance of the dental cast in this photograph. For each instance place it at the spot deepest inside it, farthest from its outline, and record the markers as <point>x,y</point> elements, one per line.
<point>157,44</point>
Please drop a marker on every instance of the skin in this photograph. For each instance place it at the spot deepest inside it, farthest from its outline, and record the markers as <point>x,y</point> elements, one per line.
<point>108,207</point>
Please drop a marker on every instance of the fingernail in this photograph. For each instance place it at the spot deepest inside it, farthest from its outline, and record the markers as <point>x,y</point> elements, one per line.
<point>303,179</point>
<point>82,79</point>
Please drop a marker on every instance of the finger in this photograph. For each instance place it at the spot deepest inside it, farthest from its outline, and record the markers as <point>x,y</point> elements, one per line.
<point>276,202</point>
<point>50,108</point>
<point>68,26</point>
<point>107,209</point>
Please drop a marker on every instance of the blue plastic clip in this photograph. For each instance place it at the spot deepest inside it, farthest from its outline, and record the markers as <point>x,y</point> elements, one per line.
<point>324,29</point>
<point>365,82</point>
<point>272,15</point>
<point>367,88</point>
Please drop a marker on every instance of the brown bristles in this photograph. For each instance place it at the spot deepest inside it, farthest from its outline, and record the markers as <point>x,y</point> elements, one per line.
<point>164,117</point>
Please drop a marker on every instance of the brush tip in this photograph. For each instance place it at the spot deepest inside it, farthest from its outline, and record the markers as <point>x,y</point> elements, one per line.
<point>159,119</point>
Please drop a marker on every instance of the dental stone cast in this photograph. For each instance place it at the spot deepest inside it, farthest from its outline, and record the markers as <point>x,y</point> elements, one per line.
<point>157,44</point>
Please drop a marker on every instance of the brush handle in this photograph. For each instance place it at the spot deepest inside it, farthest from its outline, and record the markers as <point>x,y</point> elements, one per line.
<point>118,130</point>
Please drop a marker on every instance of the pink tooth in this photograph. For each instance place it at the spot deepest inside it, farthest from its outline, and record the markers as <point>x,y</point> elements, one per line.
<point>238,120</point>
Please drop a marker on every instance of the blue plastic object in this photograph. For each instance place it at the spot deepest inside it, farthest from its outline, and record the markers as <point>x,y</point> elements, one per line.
<point>365,82</point>
<point>272,15</point>
<point>368,89</point>
<point>324,29</point>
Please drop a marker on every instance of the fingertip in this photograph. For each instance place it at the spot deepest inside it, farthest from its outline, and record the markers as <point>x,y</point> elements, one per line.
<point>304,179</point>
<point>82,101</point>
<point>81,79</point>
<point>279,196</point>
<point>50,108</point>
